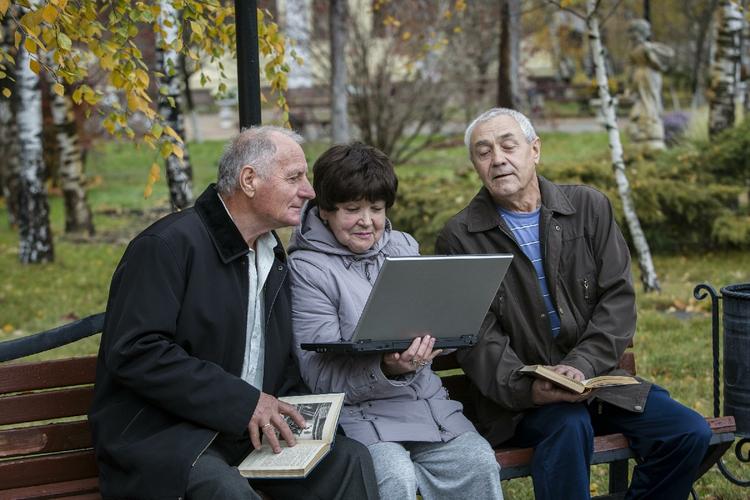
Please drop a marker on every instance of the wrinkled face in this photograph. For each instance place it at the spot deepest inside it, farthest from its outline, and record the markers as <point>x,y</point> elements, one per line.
<point>280,194</point>
<point>505,162</point>
<point>357,225</point>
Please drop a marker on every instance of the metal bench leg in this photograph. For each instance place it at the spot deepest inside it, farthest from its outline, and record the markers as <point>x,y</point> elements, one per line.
<point>618,477</point>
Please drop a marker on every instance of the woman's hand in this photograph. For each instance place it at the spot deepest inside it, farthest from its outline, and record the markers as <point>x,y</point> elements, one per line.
<point>419,353</point>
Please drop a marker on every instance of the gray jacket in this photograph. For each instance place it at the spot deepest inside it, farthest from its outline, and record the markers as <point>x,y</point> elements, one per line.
<point>330,286</point>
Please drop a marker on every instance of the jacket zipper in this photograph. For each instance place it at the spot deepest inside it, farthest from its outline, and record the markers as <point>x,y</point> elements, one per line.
<point>586,289</point>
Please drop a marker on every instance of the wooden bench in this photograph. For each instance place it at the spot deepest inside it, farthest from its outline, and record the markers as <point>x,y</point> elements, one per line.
<point>612,449</point>
<point>45,442</point>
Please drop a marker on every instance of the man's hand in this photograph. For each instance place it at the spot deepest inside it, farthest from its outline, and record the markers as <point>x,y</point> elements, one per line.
<point>418,354</point>
<point>267,419</point>
<point>544,392</point>
<point>568,371</point>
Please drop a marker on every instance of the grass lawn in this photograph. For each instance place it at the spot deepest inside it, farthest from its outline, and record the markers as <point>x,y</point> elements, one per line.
<point>673,343</point>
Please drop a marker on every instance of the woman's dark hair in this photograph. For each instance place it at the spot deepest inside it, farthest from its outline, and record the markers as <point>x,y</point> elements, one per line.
<point>350,172</point>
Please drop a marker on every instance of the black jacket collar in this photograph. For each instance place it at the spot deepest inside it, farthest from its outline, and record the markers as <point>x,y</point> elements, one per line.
<point>483,215</point>
<point>224,234</point>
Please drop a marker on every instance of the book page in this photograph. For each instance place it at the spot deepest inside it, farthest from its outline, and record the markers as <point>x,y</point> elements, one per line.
<point>610,380</point>
<point>296,457</point>
<point>320,411</point>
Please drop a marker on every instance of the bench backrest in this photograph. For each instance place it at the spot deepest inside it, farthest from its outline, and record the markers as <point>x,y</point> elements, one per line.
<point>44,433</point>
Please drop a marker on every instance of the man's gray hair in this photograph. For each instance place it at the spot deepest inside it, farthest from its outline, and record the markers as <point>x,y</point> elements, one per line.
<point>523,122</point>
<point>253,146</point>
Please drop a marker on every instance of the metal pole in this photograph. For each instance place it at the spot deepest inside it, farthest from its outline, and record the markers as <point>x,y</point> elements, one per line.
<point>248,62</point>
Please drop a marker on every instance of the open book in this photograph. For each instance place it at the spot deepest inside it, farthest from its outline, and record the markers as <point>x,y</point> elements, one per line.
<point>321,412</point>
<point>568,383</point>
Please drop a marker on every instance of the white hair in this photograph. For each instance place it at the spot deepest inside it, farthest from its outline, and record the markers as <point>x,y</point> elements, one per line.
<point>526,127</point>
<point>253,146</point>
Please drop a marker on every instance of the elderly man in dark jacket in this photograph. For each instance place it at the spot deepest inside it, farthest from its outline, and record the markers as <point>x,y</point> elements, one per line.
<point>568,302</point>
<point>197,342</point>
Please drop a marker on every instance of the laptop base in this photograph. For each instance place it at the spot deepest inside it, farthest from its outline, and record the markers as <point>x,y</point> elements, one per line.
<point>369,346</point>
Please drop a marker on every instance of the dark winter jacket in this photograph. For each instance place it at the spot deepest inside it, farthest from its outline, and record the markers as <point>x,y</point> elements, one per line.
<point>587,264</point>
<point>172,348</point>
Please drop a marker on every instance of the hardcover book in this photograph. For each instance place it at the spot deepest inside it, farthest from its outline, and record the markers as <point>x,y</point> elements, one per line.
<point>544,373</point>
<point>321,412</point>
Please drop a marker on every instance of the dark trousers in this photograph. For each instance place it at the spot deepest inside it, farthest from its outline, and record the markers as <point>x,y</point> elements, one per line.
<point>345,473</point>
<point>670,438</point>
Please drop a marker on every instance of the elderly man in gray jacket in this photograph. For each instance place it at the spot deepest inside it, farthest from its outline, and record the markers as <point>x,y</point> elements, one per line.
<point>567,301</point>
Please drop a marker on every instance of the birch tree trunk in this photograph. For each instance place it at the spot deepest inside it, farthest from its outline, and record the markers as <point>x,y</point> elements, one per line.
<point>179,170</point>
<point>72,180</point>
<point>508,90</point>
<point>648,272</point>
<point>724,67</point>
<point>33,211</point>
<point>338,16</point>
<point>745,58</point>
<point>9,161</point>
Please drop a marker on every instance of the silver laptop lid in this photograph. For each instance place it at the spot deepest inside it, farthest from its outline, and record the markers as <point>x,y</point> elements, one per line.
<point>444,296</point>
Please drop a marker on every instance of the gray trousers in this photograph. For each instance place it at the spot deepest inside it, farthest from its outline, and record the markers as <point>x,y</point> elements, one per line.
<point>464,467</point>
<point>345,473</point>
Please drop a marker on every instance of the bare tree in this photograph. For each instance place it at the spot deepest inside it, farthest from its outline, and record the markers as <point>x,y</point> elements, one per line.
<point>398,90</point>
<point>508,90</point>
<point>35,244</point>
<point>9,154</point>
<point>179,170</point>
<point>338,20</point>
<point>724,67</point>
<point>700,14</point>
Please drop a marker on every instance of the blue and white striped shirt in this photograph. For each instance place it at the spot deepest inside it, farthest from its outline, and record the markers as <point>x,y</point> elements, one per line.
<point>525,228</point>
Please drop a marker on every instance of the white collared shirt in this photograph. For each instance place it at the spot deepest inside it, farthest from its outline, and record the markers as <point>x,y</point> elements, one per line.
<point>259,262</point>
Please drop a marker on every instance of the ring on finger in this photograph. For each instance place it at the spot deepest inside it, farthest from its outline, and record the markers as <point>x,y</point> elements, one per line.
<point>414,362</point>
<point>269,424</point>
<point>423,363</point>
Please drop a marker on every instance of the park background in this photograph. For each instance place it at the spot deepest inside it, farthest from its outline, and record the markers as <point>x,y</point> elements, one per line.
<point>418,71</point>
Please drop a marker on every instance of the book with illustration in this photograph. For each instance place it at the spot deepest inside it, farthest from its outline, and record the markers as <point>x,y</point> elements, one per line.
<point>579,387</point>
<point>321,412</point>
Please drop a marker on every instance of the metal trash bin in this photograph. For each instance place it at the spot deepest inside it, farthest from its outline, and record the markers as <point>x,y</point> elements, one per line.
<point>736,376</point>
<point>736,319</point>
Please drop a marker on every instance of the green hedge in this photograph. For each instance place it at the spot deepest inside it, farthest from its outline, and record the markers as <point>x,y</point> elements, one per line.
<point>691,198</point>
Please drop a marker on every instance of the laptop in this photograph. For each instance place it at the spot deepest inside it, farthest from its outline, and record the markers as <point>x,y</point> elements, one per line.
<point>446,297</point>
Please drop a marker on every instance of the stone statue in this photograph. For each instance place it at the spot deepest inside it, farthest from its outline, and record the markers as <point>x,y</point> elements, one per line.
<point>648,60</point>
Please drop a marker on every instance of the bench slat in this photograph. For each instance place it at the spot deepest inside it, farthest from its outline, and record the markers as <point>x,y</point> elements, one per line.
<point>45,439</point>
<point>47,374</point>
<point>47,469</point>
<point>45,405</point>
<point>79,488</point>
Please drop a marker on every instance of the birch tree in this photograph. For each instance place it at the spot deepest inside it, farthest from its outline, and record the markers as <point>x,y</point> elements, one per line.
<point>723,84</point>
<point>508,91</point>
<point>648,272</point>
<point>608,107</point>
<point>33,211</point>
<point>109,30</point>
<point>179,170</point>
<point>78,217</point>
<point>9,175</point>
<point>338,32</point>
